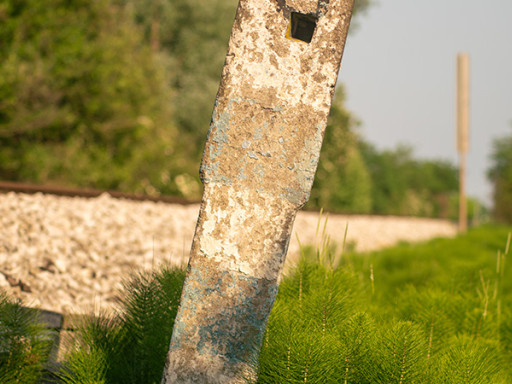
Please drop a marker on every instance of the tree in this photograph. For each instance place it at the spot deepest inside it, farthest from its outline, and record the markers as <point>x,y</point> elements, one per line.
<point>403,185</point>
<point>342,182</point>
<point>500,175</point>
<point>113,94</point>
<point>83,101</point>
<point>193,38</point>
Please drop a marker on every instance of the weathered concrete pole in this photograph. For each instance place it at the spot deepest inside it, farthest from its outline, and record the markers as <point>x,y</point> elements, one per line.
<point>462,133</point>
<point>258,166</point>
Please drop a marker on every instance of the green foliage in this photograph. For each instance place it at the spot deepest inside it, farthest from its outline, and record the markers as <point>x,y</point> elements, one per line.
<point>500,175</point>
<point>355,177</point>
<point>402,348</point>
<point>118,94</point>
<point>403,185</point>
<point>438,313</point>
<point>24,343</point>
<point>92,94</point>
<point>85,366</point>
<point>457,290</point>
<point>448,264</point>
<point>130,347</point>
<point>83,101</point>
<point>435,316</point>
<point>193,37</point>
<point>342,182</point>
<point>471,361</point>
<point>314,332</point>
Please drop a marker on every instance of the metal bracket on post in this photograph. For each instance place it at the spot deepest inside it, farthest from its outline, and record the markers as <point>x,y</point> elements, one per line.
<point>258,167</point>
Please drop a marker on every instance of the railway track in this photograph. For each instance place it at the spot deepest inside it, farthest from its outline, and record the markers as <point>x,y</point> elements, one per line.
<point>62,254</point>
<point>17,187</point>
<point>70,256</point>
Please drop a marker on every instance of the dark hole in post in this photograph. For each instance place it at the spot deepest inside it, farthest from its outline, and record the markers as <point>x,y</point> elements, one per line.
<point>302,27</point>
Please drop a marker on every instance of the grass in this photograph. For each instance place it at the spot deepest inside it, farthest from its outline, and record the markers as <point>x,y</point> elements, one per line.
<point>130,347</point>
<point>435,312</point>
<point>24,343</point>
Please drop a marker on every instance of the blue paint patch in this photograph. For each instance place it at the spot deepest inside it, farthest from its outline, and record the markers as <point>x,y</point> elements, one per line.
<point>218,134</point>
<point>192,295</point>
<point>210,174</point>
<point>294,196</point>
<point>252,155</point>
<point>258,134</point>
<point>241,174</point>
<point>215,151</point>
<point>238,331</point>
<point>259,170</point>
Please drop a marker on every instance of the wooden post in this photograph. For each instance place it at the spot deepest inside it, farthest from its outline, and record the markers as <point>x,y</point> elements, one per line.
<point>462,133</point>
<point>258,167</point>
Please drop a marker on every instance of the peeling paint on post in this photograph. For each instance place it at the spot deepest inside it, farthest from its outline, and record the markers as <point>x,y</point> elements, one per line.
<point>258,168</point>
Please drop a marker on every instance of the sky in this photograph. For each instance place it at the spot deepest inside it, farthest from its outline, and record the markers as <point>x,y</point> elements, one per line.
<point>399,73</point>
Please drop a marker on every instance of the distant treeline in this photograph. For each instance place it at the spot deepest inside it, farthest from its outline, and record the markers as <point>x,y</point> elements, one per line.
<point>118,94</point>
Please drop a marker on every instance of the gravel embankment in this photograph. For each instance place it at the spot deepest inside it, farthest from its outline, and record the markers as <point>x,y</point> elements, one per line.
<point>71,255</point>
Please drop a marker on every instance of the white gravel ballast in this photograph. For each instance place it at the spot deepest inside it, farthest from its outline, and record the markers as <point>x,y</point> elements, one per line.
<point>71,255</point>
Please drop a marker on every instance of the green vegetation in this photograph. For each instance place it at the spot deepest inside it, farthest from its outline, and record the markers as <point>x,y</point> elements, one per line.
<point>130,347</point>
<point>500,174</point>
<point>24,343</point>
<point>118,94</point>
<point>435,312</point>
<point>403,185</point>
<point>193,38</point>
<point>427,313</point>
<point>83,101</point>
<point>342,181</point>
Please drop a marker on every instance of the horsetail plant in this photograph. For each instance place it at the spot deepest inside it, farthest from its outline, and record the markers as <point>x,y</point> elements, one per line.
<point>24,343</point>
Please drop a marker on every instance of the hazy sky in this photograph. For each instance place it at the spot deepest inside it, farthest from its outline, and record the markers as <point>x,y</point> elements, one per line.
<point>399,70</point>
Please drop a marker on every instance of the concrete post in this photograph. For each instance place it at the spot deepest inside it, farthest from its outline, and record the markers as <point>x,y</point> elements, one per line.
<point>258,167</point>
<point>462,133</point>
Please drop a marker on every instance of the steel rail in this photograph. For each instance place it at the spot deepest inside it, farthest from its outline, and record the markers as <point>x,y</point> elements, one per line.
<point>28,188</point>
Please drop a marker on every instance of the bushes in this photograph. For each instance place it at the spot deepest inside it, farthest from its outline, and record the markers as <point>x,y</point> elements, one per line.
<point>84,101</point>
<point>500,175</point>
<point>118,94</point>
